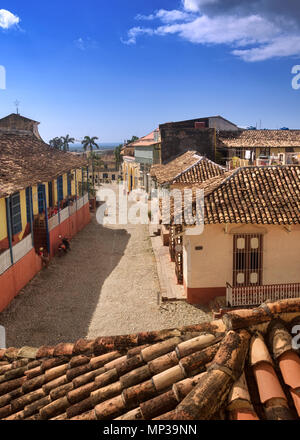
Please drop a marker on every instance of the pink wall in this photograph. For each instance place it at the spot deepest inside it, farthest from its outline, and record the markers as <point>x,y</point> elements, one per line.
<point>69,228</point>
<point>18,275</point>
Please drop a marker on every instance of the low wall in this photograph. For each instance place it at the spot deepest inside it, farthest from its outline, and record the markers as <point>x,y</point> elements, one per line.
<point>69,228</point>
<point>17,276</point>
<point>204,295</point>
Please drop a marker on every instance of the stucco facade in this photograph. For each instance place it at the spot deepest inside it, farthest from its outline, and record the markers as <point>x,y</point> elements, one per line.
<point>208,258</point>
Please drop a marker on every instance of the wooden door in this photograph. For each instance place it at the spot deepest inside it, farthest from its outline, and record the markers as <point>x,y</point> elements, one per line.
<point>247,260</point>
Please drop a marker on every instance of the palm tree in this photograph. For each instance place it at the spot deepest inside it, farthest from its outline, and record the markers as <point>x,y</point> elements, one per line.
<point>56,143</point>
<point>66,140</point>
<point>89,143</point>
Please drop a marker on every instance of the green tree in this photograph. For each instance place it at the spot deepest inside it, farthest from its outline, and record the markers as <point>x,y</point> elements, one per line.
<point>56,143</point>
<point>66,141</point>
<point>133,139</point>
<point>89,143</point>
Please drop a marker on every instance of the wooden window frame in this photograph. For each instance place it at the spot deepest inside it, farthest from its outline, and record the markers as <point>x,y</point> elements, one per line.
<point>248,256</point>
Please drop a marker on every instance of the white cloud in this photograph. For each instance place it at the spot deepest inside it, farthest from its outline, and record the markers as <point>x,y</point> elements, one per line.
<point>280,47</point>
<point>85,43</point>
<point>133,33</point>
<point>251,36</point>
<point>223,30</point>
<point>7,19</point>
<point>166,16</point>
<point>195,5</point>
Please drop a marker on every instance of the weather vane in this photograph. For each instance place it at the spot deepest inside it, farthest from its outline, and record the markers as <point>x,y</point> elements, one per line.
<point>17,103</point>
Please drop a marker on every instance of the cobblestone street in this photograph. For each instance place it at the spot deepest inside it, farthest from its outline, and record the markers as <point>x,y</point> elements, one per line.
<point>106,285</point>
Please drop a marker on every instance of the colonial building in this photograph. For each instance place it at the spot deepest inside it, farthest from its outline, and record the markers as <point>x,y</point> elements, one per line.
<point>260,147</point>
<point>130,173</point>
<point>196,134</point>
<point>186,168</point>
<point>43,194</point>
<point>249,248</point>
<point>146,152</point>
<point>189,167</point>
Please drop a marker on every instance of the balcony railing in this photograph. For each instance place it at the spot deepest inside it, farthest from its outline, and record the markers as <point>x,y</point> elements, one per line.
<point>5,261</point>
<point>22,248</point>
<point>53,222</point>
<point>256,295</point>
<point>65,213</point>
<point>19,251</point>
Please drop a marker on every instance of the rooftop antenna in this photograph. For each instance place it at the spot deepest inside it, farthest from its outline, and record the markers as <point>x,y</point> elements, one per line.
<point>17,103</point>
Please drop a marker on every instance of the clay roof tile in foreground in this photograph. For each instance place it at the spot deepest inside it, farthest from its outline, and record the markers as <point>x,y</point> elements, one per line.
<point>215,370</point>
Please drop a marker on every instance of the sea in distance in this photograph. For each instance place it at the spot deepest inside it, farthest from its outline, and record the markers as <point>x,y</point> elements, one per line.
<point>102,146</point>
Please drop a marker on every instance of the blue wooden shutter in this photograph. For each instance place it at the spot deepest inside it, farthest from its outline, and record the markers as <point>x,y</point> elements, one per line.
<point>29,207</point>
<point>50,194</point>
<point>16,218</point>
<point>69,184</point>
<point>60,192</point>
<point>41,198</point>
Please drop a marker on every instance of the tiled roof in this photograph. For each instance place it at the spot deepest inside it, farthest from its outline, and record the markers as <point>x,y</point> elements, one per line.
<point>147,140</point>
<point>127,151</point>
<point>188,168</point>
<point>258,195</point>
<point>259,138</point>
<point>17,116</point>
<point>242,366</point>
<point>26,160</point>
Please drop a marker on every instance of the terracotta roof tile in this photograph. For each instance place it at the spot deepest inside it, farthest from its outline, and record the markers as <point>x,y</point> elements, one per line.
<point>26,160</point>
<point>186,168</point>
<point>255,195</point>
<point>259,138</point>
<point>191,372</point>
<point>267,381</point>
<point>289,364</point>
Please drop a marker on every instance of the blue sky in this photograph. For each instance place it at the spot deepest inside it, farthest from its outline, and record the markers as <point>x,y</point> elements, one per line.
<point>118,68</point>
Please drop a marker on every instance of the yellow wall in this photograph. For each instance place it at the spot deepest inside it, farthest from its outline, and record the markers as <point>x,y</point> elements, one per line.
<point>23,212</point>
<point>73,190</point>
<point>35,200</point>
<point>47,193</point>
<point>55,191</point>
<point>78,179</point>
<point>65,185</point>
<point>131,169</point>
<point>213,265</point>
<point>3,224</point>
